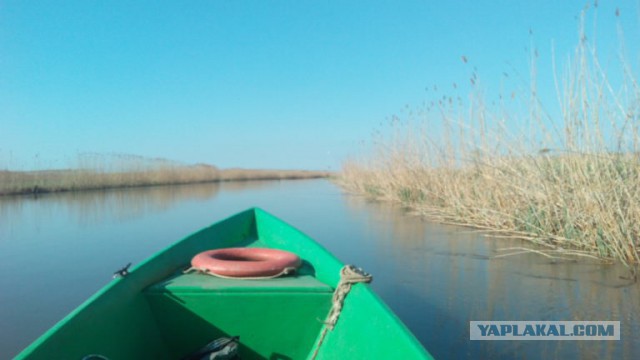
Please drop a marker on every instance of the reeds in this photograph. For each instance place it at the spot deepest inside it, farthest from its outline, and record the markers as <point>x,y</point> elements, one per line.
<point>569,183</point>
<point>95,171</point>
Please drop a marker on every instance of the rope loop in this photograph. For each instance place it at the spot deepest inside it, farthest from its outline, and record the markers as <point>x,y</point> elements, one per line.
<point>349,275</point>
<point>352,274</point>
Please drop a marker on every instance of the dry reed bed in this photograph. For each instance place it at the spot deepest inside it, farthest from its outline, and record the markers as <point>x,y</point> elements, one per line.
<point>580,205</point>
<point>21,182</point>
<point>574,192</point>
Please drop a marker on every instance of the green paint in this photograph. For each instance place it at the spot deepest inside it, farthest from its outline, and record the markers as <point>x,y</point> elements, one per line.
<point>157,312</point>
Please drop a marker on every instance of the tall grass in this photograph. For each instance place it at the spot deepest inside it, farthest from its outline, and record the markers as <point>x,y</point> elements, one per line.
<point>569,183</point>
<point>96,171</point>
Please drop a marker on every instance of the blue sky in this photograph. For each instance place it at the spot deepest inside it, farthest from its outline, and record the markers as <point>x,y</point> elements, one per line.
<point>258,84</point>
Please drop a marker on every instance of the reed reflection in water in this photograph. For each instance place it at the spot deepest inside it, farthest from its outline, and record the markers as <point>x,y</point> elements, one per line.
<point>90,207</point>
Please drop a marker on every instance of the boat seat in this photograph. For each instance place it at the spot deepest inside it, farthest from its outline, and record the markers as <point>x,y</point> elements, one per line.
<point>275,318</point>
<point>200,283</point>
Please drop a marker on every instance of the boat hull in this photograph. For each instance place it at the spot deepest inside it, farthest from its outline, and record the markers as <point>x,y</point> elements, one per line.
<point>159,312</point>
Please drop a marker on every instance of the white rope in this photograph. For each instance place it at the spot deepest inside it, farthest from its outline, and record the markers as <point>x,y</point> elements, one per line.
<point>349,275</point>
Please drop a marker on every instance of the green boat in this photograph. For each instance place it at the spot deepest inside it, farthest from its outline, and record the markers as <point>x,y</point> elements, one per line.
<point>158,311</point>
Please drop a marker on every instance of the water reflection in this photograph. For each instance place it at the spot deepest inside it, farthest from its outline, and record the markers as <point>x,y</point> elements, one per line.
<point>56,250</point>
<point>438,278</point>
<point>92,207</point>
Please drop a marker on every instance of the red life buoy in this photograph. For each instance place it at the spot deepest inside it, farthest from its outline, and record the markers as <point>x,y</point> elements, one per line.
<point>245,262</point>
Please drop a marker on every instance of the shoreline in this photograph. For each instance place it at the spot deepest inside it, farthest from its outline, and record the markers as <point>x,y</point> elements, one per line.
<point>567,207</point>
<point>20,183</point>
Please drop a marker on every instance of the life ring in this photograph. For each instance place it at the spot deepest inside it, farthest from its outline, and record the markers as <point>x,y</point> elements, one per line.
<point>246,262</point>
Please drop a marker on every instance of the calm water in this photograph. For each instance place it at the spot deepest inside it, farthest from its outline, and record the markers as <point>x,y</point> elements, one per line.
<point>57,250</point>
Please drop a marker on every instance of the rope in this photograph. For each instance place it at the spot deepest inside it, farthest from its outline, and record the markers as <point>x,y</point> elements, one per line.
<point>285,271</point>
<point>349,275</point>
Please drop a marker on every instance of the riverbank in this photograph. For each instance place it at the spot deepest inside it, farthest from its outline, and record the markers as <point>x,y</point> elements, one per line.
<point>567,182</point>
<point>581,205</point>
<point>37,182</point>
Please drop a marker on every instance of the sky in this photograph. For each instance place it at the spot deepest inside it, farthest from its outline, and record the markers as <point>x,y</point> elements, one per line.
<point>261,84</point>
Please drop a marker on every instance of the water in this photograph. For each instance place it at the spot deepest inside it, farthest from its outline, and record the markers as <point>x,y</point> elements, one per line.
<point>56,250</point>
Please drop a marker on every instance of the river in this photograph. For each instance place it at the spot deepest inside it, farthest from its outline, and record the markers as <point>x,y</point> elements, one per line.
<point>58,249</point>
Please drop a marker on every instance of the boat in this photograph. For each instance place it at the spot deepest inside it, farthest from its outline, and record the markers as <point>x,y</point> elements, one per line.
<point>157,310</point>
